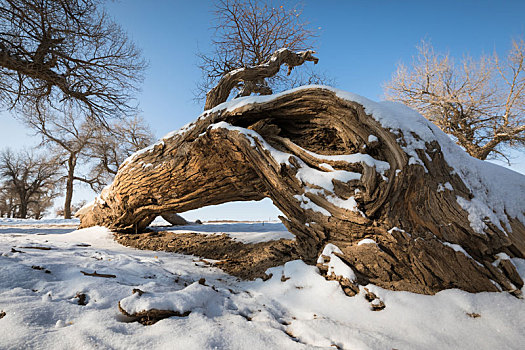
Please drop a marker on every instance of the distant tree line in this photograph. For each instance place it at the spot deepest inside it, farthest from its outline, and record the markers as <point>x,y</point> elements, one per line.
<point>81,153</point>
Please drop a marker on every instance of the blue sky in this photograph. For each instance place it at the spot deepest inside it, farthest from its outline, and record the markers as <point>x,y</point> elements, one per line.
<point>360,43</point>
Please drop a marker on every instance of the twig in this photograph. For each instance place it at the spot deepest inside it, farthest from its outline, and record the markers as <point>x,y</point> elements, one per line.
<point>40,248</point>
<point>95,274</point>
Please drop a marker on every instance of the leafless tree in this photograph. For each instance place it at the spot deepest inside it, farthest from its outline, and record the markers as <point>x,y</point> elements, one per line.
<point>74,208</point>
<point>32,179</point>
<point>247,33</point>
<point>114,144</point>
<point>8,201</point>
<point>66,52</point>
<point>68,136</point>
<point>82,145</point>
<point>481,103</point>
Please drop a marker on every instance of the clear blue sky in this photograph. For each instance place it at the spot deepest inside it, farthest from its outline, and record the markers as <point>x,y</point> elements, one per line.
<point>359,43</point>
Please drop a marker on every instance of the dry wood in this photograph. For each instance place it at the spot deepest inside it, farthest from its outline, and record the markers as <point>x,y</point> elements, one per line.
<point>253,77</point>
<point>37,247</point>
<point>212,165</point>
<point>149,317</point>
<point>95,274</point>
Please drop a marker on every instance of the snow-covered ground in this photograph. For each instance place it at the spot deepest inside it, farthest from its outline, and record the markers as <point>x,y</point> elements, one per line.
<point>246,232</point>
<point>301,310</point>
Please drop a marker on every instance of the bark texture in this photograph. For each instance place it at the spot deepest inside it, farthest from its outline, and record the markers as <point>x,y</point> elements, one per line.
<point>264,149</point>
<point>253,78</point>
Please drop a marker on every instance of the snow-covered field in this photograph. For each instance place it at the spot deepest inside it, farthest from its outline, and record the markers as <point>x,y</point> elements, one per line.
<point>299,310</point>
<point>245,232</point>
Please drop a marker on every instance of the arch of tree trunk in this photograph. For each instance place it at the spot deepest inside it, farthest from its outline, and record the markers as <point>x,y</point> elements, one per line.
<point>338,176</point>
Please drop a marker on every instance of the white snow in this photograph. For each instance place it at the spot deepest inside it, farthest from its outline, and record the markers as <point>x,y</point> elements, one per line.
<point>191,297</point>
<point>367,241</point>
<point>280,157</point>
<point>306,203</point>
<point>477,211</point>
<point>42,222</point>
<point>324,179</point>
<point>335,265</point>
<point>42,311</point>
<point>499,257</point>
<point>243,232</point>
<point>460,249</point>
<point>446,186</point>
<point>381,166</point>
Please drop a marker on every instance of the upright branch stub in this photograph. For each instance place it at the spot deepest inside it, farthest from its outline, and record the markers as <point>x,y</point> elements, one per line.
<point>253,77</point>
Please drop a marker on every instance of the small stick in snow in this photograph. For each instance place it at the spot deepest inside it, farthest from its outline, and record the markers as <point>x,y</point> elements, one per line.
<point>95,274</point>
<point>13,250</point>
<point>2,314</point>
<point>81,298</point>
<point>136,290</point>
<point>36,247</point>
<point>36,267</point>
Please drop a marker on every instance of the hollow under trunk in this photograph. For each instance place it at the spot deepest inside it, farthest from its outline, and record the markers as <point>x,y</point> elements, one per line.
<point>384,195</point>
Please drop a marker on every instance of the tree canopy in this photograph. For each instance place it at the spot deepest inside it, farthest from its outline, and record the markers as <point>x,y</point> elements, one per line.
<point>64,52</point>
<point>481,103</point>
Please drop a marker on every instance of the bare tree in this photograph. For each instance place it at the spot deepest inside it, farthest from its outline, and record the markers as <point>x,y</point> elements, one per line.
<point>247,33</point>
<point>89,151</point>
<point>74,208</point>
<point>481,103</point>
<point>68,136</point>
<point>113,145</point>
<point>66,52</point>
<point>8,201</point>
<point>32,179</point>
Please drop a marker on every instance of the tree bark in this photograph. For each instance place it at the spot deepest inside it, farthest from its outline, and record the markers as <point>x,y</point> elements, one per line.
<point>267,149</point>
<point>253,77</point>
<point>22,212</point>
<point>71,164</point>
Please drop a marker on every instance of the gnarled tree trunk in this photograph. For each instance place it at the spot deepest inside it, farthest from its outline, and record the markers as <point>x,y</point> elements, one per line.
<point>339,174</point>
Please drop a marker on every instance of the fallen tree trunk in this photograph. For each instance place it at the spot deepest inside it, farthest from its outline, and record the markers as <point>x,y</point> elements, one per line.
<point>408,209</point>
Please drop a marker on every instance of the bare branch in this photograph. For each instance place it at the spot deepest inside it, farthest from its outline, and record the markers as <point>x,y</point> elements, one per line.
<point>253,77</point>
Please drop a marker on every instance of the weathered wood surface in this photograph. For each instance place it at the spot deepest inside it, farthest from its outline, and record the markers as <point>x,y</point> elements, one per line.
<point>259,150</point>
<point>252,79</point>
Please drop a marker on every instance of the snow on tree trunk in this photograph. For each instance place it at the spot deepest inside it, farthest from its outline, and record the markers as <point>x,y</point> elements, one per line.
<point>407,208</point>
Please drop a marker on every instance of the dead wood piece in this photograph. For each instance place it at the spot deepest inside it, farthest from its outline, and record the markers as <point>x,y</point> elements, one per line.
<point>2,314</point>
<point>262,150</point>
<point>136,290</point>
<point>150,317</point>
<point>37,247</point>
<point>36,267</point>
<point>95,274</point>
<point>376,304</point>
<point>174,219</point>
<point>253,77</point>
<point>82,298</point>
<point>13,250</point>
